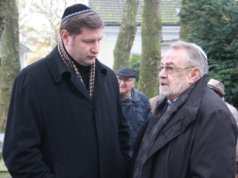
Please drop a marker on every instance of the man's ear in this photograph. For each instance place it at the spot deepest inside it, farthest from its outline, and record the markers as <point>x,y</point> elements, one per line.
<point>134,82</point>
<point>195,75</point>
<point>64,37</point>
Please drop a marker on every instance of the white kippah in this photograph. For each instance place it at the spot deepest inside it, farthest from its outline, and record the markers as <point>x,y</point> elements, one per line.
<point>201,51</point>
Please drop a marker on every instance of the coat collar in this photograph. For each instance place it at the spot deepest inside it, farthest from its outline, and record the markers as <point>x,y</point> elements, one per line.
<point>56,66</point>
<point>135,97</point>
<point>59,71</point>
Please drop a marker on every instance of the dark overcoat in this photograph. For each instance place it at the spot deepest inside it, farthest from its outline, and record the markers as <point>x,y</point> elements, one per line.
<point>55,130</point>
<point>196,139</point>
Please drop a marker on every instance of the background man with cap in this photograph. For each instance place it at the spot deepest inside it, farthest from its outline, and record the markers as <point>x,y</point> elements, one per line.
<point>135,105</point>
<point>65,118</point>
<point>196,136</point>
<point>218,87</point>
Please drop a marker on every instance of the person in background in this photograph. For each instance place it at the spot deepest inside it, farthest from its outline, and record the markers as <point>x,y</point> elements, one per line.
<point>218,87</point>
<point>153,102</point>
<point>191,133</point>
<point>65,118</point>
<point>135,105</point>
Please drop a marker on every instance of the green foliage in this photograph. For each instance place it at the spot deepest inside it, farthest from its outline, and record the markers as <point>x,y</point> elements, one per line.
<point>227,72</point>
<point>134,62</point>
<point>213,25</point>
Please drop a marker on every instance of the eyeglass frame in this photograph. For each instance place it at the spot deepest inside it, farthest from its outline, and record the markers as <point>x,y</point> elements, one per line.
<point>172,70</point>
<point>125,79</point>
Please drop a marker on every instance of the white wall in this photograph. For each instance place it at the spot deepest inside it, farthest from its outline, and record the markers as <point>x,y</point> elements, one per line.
<point>169,33</point>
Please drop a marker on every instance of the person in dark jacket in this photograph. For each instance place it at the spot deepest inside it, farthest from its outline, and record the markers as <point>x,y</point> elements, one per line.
<point>135,105</point>
<point>219,88</point>
<point>65,118</point>
<point>192,133</point>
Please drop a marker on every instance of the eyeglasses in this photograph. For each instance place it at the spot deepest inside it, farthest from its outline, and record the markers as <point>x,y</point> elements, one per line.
<point>171,70</point>
<point>125,79</point>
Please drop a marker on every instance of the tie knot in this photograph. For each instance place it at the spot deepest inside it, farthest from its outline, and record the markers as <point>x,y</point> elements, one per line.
<point>170,103</point>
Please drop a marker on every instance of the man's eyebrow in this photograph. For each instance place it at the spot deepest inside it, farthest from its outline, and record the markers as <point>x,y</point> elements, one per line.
<point>169,63</point>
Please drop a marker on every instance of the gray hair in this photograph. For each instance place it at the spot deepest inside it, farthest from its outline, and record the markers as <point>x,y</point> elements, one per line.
<point>196,55</point>
<point>75,24</point>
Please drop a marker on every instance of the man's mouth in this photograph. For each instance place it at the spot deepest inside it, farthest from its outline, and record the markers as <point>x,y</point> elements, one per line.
<point>163,84</point>
<point>91,57</point>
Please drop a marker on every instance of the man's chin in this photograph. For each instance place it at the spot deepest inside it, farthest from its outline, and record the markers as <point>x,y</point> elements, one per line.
<point>91,61</point>
<point>88,63</point>
<point>164,93</point>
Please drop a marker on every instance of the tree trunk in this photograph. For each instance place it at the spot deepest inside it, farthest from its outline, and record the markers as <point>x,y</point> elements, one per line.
<point>10,59</point>
<point>3,4</point>
<point>126,35</point>
<point>151,36</point>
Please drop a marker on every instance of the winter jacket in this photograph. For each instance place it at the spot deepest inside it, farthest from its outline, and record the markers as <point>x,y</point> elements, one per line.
<point>55,130</point>
<point>136,110</point>
<point>195,138</point>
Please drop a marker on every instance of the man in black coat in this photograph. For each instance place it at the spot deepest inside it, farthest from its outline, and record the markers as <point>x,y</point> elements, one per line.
<point>65,118</point>
<point>191,134</point>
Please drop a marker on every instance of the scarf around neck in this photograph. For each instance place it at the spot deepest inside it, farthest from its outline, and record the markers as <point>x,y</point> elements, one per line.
<point>71,64</point>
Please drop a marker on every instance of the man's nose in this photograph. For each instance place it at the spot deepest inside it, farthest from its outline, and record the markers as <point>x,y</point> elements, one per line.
<point>95,47</point>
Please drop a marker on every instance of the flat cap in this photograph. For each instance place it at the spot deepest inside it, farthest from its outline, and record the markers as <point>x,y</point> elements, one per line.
<point>126,72</point>
<point>217,86</point>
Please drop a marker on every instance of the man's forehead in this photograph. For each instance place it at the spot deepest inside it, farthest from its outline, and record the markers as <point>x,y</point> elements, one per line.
<point>91,33</point>
<point>123,77</point>
<point>169,59</point>
<point>167,63</point>
<point>174,56</point>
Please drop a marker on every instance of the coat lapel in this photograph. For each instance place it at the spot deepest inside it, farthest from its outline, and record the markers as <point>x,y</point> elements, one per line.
<point>58,69</point>
<point>174,128</point>
<point>80,86</point>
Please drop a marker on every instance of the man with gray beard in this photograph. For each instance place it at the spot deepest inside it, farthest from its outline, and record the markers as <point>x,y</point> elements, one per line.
<point>191,133</point>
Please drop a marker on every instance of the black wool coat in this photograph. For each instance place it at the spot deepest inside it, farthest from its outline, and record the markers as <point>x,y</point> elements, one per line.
<point>197,138</point>
<point>55,130</point>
